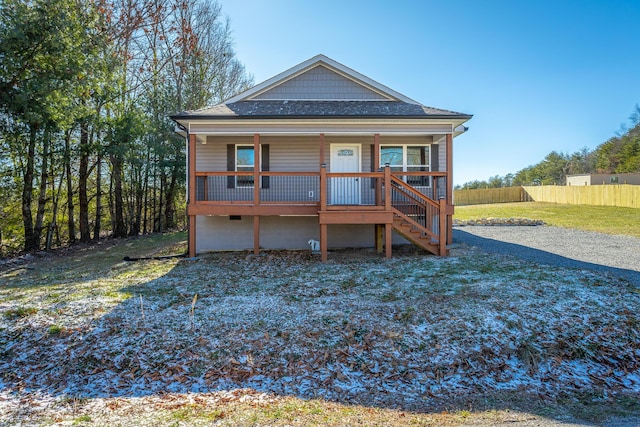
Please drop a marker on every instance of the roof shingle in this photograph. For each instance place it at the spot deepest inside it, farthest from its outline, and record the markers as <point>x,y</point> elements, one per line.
<point>288,109</point>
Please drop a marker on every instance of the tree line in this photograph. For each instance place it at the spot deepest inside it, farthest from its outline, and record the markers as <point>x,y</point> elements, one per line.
<point>619,154</point>
<point>86,90</point>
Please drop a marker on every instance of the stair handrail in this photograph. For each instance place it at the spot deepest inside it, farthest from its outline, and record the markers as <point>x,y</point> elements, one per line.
<point>415,194</point>
<point>419,198</point>
<point>415,224</point>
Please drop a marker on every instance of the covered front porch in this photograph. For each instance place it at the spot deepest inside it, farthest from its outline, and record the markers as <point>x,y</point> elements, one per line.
<point>415,201</point>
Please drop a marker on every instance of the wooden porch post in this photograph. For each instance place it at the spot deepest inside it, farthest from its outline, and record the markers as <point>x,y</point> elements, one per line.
<point>192,194</point>
<point>257,167</point>
<point>378,190</point>
<point>442,228</point>
<point>387,240</point>
<point>387,207</point>
<point>192,236</point>
<point>323,207</point>
<point>321,149</point>
<point>449,145</point>
<point>376,166</point>
<point>387,187</point>
<point>323,242</point>
<point>379,237</point>
<point>323,187</point>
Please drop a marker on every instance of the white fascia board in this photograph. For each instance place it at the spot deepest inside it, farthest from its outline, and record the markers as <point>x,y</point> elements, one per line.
<point>180,131</point>
<point>248,123</point>
<point>327,133</point>
<point>297,127</point>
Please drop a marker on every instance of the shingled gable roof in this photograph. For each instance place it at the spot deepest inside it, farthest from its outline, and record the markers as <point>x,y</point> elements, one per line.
<point>269,99</point>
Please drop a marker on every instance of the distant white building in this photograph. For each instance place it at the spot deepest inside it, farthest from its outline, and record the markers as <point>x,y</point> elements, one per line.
<point>604,179</point>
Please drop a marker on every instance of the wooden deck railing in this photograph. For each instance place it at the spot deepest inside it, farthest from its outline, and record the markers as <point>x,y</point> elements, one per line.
<point>299,188</point>
<point>309,188</point>
<point>413,203</point>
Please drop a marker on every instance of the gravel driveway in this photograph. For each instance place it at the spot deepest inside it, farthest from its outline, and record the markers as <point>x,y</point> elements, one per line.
<point>563,247</point>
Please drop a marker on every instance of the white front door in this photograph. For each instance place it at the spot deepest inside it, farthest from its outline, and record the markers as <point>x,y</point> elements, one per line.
<point>345,158</point>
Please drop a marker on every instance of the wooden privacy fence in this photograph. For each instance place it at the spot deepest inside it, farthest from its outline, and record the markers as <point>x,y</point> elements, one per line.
<point>622,195</point>
<point>483,196</point>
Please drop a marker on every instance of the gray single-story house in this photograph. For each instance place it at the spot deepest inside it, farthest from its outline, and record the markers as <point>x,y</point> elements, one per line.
<point>319,152</point>
<point>604,179</point>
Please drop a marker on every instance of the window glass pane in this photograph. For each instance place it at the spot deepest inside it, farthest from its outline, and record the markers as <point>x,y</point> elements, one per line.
<point>245,181</point>
<point>418,180</point>
<point>391,155</point>
<point>244,157</point>
<point>244,163</point>
<point>417,156</point>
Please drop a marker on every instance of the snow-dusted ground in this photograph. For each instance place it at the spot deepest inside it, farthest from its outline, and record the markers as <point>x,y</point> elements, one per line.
<point>393,333</point>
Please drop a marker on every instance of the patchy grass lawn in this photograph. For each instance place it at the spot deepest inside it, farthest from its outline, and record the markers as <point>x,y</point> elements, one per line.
<point>282,339</point>
<point>604,219</point>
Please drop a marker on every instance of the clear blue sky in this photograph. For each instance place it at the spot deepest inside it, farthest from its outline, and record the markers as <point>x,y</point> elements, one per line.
<point>537,75</point>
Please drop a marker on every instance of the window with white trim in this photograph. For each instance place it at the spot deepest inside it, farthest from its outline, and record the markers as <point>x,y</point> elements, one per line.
<point>245,162</point>
<point>408,158</point>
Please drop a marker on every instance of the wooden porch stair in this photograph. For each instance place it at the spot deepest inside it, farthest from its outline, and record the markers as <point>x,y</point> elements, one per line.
<point>393,218</point>
<point>416,236</point>
<point>414,215</point>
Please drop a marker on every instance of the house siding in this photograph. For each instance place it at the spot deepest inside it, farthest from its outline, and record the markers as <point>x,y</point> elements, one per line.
<point>297,154</point>
<point>293,154</point>
<point>212,156</point>
<point>287,154</point>
<point>320,83</point>
<point>276,232</point>
<point>219,233</point>
<point>442,158</point>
